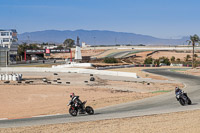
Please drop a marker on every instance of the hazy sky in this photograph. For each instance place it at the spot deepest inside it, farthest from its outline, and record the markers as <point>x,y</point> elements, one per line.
<point>158,18</point>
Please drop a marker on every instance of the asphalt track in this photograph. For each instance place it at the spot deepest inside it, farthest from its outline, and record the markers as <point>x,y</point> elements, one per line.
<point>165,103</point>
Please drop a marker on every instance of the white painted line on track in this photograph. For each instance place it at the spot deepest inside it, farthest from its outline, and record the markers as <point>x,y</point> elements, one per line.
<point>3,118</point>
<point>46,115</point>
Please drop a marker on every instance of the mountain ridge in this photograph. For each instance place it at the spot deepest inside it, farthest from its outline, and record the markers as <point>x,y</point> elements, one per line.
<point>96,37</point>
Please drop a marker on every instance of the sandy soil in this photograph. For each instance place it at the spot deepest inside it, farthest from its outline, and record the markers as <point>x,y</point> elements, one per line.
<point>39,98</point>
<point>170,54</point>
<point>183,122</point>
<point>91,52</point>
<point>19,101</point>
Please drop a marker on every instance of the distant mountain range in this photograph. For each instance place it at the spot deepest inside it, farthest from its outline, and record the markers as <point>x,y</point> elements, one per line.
<point>96,37</point>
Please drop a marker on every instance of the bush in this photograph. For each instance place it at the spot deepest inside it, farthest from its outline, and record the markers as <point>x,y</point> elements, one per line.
<point>164,60</point>
<point>148,60</point>
<point>110,60</point>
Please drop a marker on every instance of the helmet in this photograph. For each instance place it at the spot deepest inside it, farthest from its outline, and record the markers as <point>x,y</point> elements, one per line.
<point>176,88</point>
<point>71,95</point>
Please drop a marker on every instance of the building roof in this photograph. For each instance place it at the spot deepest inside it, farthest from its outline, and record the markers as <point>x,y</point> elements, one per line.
<point>13,30</point>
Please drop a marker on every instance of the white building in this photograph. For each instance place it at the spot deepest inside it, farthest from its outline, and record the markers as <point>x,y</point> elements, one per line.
<point>84,45</point>
<point>8,37</point>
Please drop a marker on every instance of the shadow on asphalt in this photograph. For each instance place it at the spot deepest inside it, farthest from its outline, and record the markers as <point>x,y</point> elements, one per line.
<point>194,103</point>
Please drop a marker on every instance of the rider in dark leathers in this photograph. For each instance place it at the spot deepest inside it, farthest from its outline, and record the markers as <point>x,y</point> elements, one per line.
<point>178,91</point>
<point>77,101</point>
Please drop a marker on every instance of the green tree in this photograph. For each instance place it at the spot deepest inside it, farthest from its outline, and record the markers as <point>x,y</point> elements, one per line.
<point>187,57</point>
<point>60,47</point>
<point>21,49</point>
<point>164,60</point>
<point>178,60</point>
<point>110,60</point>
<point>157,62</point>
<point>195,56</point>
<point>173,59</point>
<point>193,39</point>
<point>69,43</point>
<point>148,60</point>
<point>25,46</point>
<point>33,46</point>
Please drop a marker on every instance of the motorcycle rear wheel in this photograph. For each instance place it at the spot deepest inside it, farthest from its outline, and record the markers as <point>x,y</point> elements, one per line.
<point>89,110</point>
<point>189,101</point>
<point>73,112</point>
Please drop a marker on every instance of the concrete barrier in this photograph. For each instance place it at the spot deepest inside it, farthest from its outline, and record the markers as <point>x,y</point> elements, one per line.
<point>71,70</point>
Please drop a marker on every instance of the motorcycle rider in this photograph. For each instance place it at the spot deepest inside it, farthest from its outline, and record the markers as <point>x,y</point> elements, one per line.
<point>177,91</point>
<point>77,101</point>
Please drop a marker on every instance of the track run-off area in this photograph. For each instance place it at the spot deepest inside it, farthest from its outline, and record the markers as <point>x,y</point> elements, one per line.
<point>164,103</point>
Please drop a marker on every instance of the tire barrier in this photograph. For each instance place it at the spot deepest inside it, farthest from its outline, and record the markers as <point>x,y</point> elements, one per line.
<point>44,80</point>
<point>67,82</point>
<point>7,82</point>
<point>10,77</point>
<point>92,79</point>
<point>27,82</point>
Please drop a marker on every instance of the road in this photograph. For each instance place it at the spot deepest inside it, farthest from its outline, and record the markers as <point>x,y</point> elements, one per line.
<point>155,105</point>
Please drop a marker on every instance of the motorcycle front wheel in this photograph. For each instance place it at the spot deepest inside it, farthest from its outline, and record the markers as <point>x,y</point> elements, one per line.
<point>72,111</point>
<point>181,101</point>
<point>89,110</point>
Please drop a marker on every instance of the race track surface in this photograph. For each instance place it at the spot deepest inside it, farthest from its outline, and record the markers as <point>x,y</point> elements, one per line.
<point>165,103</point>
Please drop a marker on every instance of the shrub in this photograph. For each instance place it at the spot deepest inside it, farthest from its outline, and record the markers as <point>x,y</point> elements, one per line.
<point>110,60</point>
<point>148,60</point>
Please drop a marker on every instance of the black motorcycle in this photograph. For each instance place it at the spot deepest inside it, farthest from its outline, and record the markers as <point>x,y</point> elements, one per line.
<point>76,108</point>
<point>183,98</point>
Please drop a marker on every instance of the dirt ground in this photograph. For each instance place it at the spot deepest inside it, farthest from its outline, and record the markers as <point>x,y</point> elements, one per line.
<point>184,122</point>
<point>91,52</point>
<point>39,98</point>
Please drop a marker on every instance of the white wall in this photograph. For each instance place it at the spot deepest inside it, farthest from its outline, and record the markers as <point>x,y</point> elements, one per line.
<point>72,70</point>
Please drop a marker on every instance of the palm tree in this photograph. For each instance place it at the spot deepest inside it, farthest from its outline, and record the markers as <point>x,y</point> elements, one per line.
<point>193,39</point>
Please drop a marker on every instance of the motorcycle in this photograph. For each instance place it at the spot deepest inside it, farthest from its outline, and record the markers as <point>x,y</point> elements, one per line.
<point>183,98</point>
<point>76,108</point>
